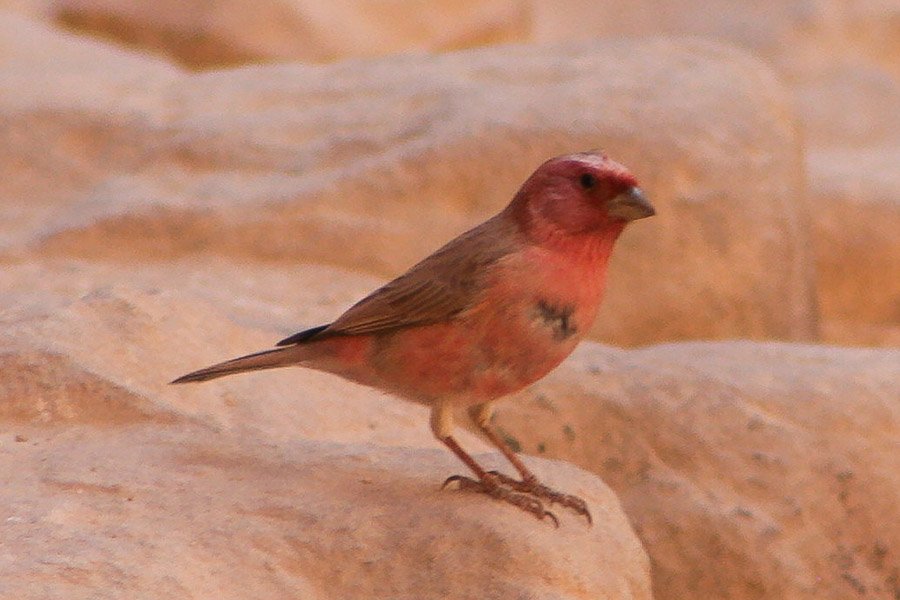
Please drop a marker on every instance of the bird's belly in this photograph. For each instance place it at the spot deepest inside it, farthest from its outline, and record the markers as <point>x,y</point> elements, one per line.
<point>475,360</point>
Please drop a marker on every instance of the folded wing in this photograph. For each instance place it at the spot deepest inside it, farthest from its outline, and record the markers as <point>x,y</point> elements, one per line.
<point>436,289</point>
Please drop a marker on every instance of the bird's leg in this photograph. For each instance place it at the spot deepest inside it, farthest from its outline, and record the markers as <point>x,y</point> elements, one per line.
<point>481,415</point>
<point>486,483</point>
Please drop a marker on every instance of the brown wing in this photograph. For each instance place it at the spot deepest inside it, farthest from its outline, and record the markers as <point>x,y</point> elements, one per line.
<point>436,289</point>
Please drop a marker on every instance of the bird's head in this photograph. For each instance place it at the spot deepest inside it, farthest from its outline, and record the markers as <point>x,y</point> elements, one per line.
<point>584,193</point>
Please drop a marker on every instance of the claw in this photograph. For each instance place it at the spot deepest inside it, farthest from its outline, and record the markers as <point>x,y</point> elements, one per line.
<point>542,491</point>
<point>492,488</point>
<point>547,513</point>
<point>452,479</point>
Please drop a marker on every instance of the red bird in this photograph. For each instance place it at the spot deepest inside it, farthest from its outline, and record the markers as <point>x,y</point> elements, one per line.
<point>491,312</point>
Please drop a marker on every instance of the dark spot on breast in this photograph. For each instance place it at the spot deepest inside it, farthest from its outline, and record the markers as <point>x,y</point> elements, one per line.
<point>558,318</point>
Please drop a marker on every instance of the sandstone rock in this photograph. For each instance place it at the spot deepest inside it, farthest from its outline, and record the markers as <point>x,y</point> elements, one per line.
<point>199,33</point>
<point>748,470</point>
<point>850,115</point>
<point>850,107</point>
<point>180,511</point>
<point>205,34</point>
<point>801,38</point>
<point>33,9</point>
<point>857,194</point>
<point>94,347</point>
<point>371,165</point>
<point>153,221</point>
<point>840,60</point>
<point>116,484</point>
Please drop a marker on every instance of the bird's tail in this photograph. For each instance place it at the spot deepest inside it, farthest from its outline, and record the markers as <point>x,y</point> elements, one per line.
<point>267,359</point>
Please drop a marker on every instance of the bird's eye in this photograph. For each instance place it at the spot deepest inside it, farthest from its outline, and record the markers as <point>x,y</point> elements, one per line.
<point>587,181</point>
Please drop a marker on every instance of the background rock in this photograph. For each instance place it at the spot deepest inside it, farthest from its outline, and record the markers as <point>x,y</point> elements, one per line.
<point>856,244</point>
<point>748,470</point>
<point>839,59</point>
<point>204,34</point>
<point>154,220</point>
<point>352,163</point>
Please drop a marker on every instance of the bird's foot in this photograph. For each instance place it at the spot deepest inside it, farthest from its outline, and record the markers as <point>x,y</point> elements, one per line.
<point>535,488</point>
<point>492,488</point>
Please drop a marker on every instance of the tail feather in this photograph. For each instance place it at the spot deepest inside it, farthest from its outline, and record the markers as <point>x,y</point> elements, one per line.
<point>267,359</point>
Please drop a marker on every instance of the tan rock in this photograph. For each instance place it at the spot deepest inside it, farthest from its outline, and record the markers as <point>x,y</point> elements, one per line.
<point>185,511</point>
<point>373,165</point>
<point>851,117</point>
<point>748,470</point>
<point>205,34</point>
<point>290,484</point>
<point>857,194</point>
<point>851,107</point>
<point>799,35</point>
<point>838,57</point>
<point>801,38</point>
<point>851,120</point>
<point>95,348</point>
<point>34,9</point>
<point>842,63</point>
<point>153,221</point>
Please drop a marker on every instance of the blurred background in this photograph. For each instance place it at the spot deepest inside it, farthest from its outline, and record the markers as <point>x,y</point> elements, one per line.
<point>835,63</point>
<point>183,181</point>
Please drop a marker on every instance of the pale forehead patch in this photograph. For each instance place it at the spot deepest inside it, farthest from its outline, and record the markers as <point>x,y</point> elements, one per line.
<point>599,161</point>
<point>596,161</point>
<point>591,159</point>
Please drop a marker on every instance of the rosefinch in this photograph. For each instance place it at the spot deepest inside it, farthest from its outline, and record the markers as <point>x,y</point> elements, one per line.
<point>491,312</point>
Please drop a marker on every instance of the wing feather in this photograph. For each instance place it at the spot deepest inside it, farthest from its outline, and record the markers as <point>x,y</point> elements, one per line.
<point>436,289</point>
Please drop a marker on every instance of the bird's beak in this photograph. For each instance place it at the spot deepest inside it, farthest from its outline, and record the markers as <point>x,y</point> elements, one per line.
<point>630,205</point>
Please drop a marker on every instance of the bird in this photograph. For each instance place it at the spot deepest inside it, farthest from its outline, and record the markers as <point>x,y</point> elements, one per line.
<point>489,313</point>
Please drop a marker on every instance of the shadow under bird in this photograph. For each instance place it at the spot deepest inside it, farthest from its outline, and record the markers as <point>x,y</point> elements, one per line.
<point>489,313</point>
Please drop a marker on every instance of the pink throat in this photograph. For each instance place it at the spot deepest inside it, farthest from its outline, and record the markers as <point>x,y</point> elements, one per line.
<point>589,246</point>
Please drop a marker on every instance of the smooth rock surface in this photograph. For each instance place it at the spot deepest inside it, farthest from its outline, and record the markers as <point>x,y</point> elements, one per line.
<point>155,220</point>
<point>748,470</point>
<point>838,60</point>
<point>148,511</point>
<point>372,165</point>
<point>841,62</point>
<point>856,243</point>
<point>203,34</point>
<point>292,484</point>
